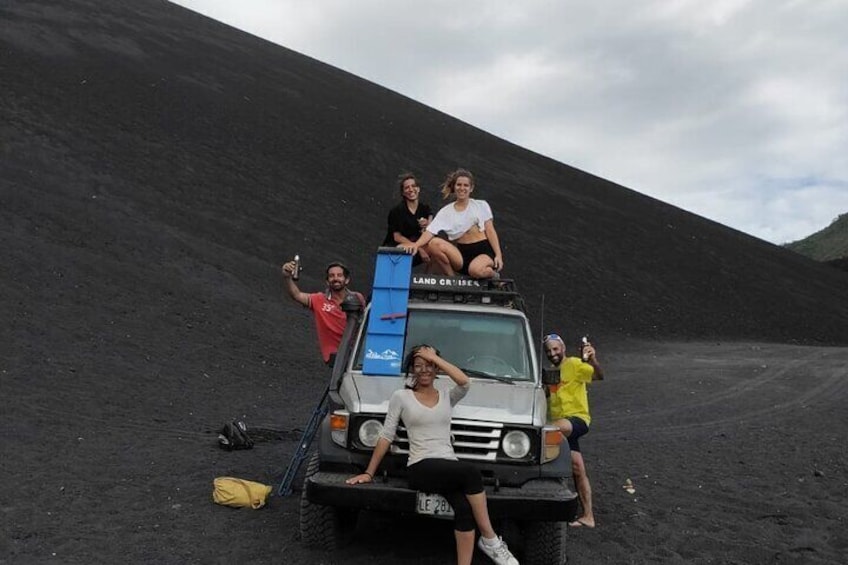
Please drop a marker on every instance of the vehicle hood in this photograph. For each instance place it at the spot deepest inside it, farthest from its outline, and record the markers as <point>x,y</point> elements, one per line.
<point>487,400</point>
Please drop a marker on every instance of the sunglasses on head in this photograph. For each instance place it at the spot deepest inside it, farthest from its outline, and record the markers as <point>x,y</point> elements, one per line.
<point>552,337</point>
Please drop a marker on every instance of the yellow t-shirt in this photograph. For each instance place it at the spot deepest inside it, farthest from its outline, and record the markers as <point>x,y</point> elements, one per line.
<point>569,397</point>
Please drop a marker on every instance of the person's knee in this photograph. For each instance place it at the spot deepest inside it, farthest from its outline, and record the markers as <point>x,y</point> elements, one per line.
<point>445,247</point>
<point>477,273</point>
<point>564,426</point>
<point>437,245</point>
<point>481,267</point>
<point>434,249</point>
<point>439,254</point>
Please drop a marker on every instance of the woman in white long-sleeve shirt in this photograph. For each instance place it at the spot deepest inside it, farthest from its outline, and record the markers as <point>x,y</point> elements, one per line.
<point>472,246</point>
<point>433,465</point>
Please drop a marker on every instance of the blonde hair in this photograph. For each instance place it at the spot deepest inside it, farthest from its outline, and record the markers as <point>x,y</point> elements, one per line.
<point>450,181</point>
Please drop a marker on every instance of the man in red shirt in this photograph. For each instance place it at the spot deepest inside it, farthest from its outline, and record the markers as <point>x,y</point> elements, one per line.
<point>330,320</point>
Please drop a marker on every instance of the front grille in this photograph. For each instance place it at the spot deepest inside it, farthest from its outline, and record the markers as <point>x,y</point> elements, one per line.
<point>471,440</point>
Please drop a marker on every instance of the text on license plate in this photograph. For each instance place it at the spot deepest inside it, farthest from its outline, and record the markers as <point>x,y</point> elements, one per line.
<point>434,505</point>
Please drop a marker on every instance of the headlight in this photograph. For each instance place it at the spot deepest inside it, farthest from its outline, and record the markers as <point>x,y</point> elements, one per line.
<point>516,444</point>
<point>369,432</point>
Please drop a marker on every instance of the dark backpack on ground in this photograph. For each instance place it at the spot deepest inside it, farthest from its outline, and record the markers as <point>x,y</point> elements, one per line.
<point>234,436</point>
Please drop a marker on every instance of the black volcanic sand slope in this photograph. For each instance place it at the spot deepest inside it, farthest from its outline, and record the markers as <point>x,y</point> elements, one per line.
<point>157,142</point>
<point>156,168</point>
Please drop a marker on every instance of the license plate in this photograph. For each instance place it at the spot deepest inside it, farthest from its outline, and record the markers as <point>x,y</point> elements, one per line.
<point>433,505</point>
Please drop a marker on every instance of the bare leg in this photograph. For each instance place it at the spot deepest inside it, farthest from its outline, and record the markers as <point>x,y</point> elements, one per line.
<point>482,267</point>
<point>464,546</point>
<point>439,262</point>
<point>584,490</point>
<point>444,257</point>
<point>425,258</point>
<point>581,480</point>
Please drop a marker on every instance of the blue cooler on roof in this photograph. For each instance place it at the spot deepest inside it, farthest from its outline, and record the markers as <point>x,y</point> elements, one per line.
<point>384,336</point>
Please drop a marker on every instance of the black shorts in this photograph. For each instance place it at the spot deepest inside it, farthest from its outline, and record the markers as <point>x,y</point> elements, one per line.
<point>578,428</point>
<point>471,251</point>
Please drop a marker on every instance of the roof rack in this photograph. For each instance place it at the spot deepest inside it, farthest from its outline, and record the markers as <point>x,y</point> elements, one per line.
<point>465,290</point>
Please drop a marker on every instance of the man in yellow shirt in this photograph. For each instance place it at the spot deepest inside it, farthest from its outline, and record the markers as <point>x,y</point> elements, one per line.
<point>568,408</point>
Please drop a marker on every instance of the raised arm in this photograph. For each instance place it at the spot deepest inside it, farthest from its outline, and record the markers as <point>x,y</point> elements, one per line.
<point>455,373</point>
<point>592,359</point>
<point>290,287</point>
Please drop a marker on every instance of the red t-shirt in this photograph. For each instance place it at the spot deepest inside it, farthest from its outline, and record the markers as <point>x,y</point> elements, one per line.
<point>330,321</point>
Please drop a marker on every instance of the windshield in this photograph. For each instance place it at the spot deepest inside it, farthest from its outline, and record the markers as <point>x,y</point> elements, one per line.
<point>481,343</point>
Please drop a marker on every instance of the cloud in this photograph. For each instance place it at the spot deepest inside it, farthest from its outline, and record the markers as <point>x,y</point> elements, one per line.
<point>726,109</point>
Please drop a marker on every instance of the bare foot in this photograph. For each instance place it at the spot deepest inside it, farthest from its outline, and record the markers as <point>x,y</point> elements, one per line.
<point>582,522</point>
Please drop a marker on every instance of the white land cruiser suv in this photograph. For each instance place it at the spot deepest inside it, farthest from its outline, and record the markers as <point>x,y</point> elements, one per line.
<point>500,425</point>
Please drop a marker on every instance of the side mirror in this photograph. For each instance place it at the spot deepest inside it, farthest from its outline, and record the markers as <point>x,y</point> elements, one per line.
<point>550,376</point>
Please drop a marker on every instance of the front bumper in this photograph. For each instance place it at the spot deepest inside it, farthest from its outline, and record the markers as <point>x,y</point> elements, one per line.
<point>539,500</point>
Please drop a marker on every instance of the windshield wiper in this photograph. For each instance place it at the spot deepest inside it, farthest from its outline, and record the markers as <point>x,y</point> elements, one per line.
<point>485,375</point>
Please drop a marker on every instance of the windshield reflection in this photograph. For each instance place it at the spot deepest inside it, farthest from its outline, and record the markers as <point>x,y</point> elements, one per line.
<point>493,344</point>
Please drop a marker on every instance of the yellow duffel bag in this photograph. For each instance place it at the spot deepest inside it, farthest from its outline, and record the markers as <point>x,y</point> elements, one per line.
<point>239,493</point>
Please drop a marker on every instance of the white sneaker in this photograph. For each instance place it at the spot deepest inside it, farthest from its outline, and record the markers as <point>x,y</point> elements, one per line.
<point>499,553</point>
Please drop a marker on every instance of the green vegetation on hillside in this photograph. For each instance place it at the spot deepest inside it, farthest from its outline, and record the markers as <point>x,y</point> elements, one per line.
<point>825,245</point>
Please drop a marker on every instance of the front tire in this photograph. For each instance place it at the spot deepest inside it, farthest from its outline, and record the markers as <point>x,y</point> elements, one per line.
<point>544,543</point>
<point>324,526</point>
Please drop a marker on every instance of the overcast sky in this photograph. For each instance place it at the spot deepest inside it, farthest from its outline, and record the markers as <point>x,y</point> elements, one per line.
<point>736,110</point>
